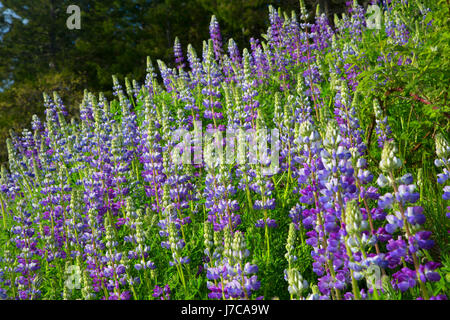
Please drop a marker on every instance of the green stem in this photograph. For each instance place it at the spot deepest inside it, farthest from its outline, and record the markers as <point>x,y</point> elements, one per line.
<point>408,234</point>
<point>3,212</point>
<point>266,231</point>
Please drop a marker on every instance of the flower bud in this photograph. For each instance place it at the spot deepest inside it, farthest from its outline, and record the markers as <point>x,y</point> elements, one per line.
<point>353,217</point>
<point>332,136</point>
<point>389,161</point>
<point>306,128</point>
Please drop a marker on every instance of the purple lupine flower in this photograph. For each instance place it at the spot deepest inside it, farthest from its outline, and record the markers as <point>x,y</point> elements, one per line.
<point>161,293</point>
<point>428,273</point>
<point>382,128</point>
<point>230,277</point>
<point>214,32</point>
<point>178,53</point>
<point>404,279</point>
<point>443,161</point>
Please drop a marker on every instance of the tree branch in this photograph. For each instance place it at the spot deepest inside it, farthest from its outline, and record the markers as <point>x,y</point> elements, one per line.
<point>413,95</point>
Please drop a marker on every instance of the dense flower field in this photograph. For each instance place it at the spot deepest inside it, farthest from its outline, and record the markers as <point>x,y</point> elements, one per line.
<point>245,175</point>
